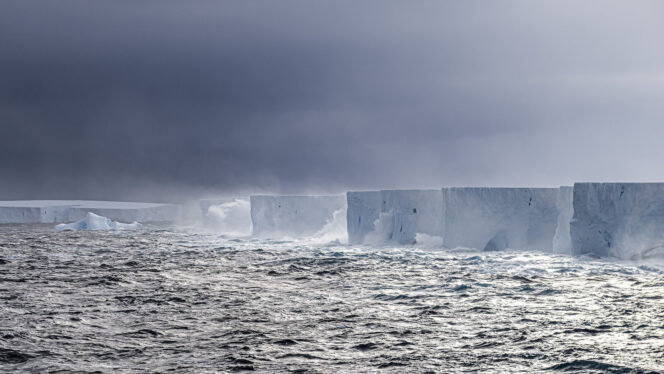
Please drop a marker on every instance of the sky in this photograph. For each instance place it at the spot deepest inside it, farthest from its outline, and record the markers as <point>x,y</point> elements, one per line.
<point>167,100</point>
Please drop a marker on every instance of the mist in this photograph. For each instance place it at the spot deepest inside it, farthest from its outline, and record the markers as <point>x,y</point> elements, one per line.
<point>162,101</point>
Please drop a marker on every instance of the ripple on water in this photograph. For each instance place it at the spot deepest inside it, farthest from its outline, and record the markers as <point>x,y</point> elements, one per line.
<point>164,300</point>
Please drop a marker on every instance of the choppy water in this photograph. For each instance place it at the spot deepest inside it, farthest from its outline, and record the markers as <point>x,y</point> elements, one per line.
<point>168,301</point>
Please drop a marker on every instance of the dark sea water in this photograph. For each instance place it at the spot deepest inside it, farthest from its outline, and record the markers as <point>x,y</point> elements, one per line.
<point>164,300</point>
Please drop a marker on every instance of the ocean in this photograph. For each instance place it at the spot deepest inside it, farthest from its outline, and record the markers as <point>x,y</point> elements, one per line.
<point>175,300</point>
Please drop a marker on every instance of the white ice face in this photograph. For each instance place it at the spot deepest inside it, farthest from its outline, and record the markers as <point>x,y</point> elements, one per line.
<point>479,218</point>
<point>500,218</point>
<point>415,212</point>
<point>364,208</point>
<point>623,220</point>
<point>562,242</point>
<point>54,211</point>
<point>293,216</point>
<point>95,222</point>
<point>394,216</point>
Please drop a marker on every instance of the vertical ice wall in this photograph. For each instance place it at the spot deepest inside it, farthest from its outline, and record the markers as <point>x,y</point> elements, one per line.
<point>295,216</point>
<point>562,242</point>
<point>126,211</point>
<point>53,211</point>
<point>34,211</point>
<point>363,211</point>
<point>499,218</point>
<point>397,216</point>
<point>414,212</point>
<point>624,220</point>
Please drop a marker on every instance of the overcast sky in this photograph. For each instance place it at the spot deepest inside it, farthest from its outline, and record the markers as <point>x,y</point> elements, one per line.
<point>157,100</point>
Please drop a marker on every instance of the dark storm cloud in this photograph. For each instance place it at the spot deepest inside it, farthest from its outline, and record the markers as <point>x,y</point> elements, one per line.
<point>151,100</point>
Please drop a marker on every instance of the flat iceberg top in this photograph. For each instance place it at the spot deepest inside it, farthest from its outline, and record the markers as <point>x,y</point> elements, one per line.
<point>298,197</point>
<point>661,184</point>
<point>405,190</point>
<point>95,222</point>
<point>80,204</point>
<point>34,203</point>
<point>504,189</point>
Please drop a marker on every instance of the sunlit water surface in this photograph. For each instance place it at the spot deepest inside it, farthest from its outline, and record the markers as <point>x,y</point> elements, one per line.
<point>172,301</point>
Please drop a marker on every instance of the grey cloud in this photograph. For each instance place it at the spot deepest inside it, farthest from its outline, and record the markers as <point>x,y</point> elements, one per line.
<point>160,100</point>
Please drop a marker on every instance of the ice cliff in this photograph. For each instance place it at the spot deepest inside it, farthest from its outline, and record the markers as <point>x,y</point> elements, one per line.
<point>293,216</point>
<point>54,211</point>
<point>562,242</point>
<point>481,218</point>
<point>623,220</point>
<point>397,216</point>
<point>500,218</point>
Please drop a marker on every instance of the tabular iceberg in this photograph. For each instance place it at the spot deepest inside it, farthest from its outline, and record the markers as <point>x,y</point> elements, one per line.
<point>127,211</point>
<point>415,212</point>
<point>623,220</point>
<point>293,216</point>
<point>95,222</point>
<point>34,211</point>
<point>364,209</point>
<point>53,211</point>
<point>562,242</point>
<point>500,218</point>
<point>398,216</point>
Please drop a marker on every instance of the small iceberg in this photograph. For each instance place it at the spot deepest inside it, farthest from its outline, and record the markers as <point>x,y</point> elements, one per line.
<point>95,222</point>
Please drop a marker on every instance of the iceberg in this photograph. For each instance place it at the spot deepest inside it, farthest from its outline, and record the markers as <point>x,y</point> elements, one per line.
<point>34,211</point>
<point>364,208</point>
<point>494,219</point>
<point>562,241</point>
<point>127,211</point>
<point>398,216</point>
<point>415,212</point>
<point>55,211</point>
<point>293,216</point>
<point>623,220</point>
<point>95,222</point>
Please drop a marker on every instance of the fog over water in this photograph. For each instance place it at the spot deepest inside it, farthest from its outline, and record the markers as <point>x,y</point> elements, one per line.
<point>165,100</point>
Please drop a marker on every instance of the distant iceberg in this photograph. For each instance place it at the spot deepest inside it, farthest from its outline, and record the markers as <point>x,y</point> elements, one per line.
<point>95,222</point>
<point>58,211</point>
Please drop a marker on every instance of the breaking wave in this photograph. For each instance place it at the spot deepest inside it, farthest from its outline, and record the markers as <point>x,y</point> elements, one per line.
<point>231,218</point>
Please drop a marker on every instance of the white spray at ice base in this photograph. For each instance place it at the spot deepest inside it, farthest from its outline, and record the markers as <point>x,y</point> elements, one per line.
<point>288,217</point>
<point>231,218</point>
<point>97,223</point>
